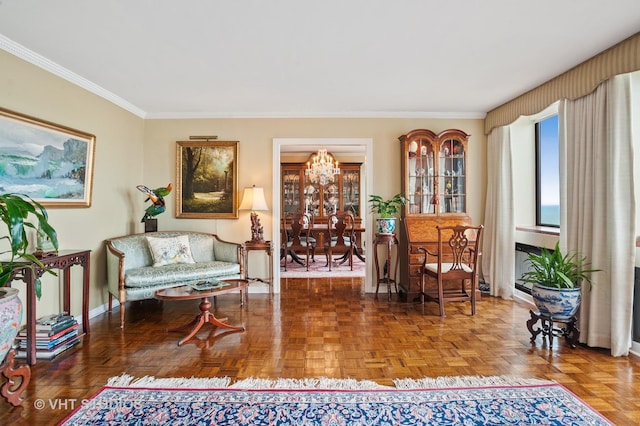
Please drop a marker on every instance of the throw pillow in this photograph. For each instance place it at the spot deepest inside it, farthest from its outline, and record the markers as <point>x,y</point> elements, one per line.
<point>166,251</point>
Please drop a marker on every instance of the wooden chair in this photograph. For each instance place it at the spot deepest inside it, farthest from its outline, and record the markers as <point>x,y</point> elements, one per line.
<point>456,259</point>
<point>297,238</point>
<point>341,231</point>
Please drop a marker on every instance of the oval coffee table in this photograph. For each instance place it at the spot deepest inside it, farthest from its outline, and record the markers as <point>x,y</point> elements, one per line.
<point>205,316</point>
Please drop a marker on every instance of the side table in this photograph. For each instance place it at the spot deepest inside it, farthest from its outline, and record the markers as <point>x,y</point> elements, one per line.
<point>264,246</point>
<point>387,240</point>
<point>63,261</point>
<point>570,331</point>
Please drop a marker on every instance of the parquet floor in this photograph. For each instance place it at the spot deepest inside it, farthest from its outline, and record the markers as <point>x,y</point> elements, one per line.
<point>322,327</point>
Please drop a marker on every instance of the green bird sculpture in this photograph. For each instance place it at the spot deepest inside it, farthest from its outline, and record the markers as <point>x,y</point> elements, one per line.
<point>156,196</point>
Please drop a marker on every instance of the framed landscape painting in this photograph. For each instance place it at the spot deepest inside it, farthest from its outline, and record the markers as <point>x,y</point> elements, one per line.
<point>207,180</point>
<point>50,163</point>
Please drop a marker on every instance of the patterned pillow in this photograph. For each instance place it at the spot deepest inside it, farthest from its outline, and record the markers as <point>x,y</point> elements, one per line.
<point>166,251</point>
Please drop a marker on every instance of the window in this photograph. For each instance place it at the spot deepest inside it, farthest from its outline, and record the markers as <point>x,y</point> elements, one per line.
<point>547,172</point>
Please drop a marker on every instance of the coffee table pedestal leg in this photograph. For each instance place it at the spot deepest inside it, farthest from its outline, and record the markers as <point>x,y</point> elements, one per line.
<point>205,316</point>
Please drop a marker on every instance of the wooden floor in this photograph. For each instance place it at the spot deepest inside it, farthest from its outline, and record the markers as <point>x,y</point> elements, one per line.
<point>321,327</point>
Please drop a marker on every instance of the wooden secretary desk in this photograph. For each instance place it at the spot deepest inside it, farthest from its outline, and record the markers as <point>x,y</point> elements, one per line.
<point>434,180</point>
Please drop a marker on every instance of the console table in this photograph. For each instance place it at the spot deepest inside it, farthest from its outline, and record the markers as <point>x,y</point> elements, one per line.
<point>62,261</point>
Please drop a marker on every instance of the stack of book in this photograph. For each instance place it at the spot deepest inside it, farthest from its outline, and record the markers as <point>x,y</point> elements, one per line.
<point>54,335</point>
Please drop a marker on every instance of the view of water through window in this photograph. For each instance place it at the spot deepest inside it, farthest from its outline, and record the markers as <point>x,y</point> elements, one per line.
<point>549,172</point>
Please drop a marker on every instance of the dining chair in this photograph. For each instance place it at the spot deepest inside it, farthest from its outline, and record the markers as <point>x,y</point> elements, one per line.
<point>297,238</point>
<point>455,259</point>
<point>341,227</point>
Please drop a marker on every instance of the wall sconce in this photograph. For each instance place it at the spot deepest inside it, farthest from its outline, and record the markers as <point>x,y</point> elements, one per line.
<point>253,199</point>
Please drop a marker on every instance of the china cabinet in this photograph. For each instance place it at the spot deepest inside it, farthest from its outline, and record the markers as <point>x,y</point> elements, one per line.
<point>299,194</point>
<point>434,181</point>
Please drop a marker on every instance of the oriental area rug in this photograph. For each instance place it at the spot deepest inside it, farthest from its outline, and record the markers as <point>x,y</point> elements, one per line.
<point>318,269</point>
<point>446,400</point>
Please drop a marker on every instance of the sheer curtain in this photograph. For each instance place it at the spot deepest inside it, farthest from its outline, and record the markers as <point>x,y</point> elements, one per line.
<point>598,213</point>
<point>498,251</point>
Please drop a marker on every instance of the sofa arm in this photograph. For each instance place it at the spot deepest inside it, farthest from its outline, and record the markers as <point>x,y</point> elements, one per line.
<point>115,271</point>
<point>227,251</point>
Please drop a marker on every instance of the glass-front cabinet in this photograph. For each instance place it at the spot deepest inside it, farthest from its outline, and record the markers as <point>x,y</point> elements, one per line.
<point>291,189</point>
<point>351,189</point>
<point>300,194</point>
<point>434,180</point>
<point>434,171</point>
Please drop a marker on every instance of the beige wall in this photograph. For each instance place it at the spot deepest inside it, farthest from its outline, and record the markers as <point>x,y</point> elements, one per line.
<point>256,151</point>
<point>131,151</point>
<point>118,165</point>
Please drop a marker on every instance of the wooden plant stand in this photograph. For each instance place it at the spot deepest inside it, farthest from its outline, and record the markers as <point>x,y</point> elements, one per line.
<point>570,331</point>
<point>9,390</point>
<point>389,274</point>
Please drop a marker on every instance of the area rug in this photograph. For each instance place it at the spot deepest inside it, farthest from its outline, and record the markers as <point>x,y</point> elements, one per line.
<point>318,269</point>
<point>450,400</point>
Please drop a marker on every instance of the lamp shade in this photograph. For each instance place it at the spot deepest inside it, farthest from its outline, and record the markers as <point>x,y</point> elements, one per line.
<point>253,199</point>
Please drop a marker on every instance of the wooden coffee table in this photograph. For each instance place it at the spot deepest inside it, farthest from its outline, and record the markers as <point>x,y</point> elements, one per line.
<point>205,316</point>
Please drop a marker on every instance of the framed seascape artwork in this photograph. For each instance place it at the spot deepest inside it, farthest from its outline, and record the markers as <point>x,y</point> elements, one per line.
<point>207,180</point>
<point>50,163</point>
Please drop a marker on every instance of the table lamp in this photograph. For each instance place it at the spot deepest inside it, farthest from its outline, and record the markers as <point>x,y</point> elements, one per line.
<point>253,199</point>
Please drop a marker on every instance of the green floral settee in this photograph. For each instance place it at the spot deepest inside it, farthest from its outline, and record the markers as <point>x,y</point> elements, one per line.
<point>140,264</point>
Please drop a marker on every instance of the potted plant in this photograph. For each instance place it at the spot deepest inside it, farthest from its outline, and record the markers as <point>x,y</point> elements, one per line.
<point>557,280</point>
<point>387,210</point>
<point>18,212</point>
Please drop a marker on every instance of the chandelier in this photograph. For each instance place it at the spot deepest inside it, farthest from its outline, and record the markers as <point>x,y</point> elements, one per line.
<point>322,168</point>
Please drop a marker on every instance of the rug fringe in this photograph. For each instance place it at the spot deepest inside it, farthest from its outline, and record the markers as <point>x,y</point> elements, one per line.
<point>314,383</point>
<point>465,381</point>
<point>126,380</point>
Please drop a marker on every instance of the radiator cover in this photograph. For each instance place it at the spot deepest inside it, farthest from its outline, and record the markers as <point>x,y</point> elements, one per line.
<point>522,265</point>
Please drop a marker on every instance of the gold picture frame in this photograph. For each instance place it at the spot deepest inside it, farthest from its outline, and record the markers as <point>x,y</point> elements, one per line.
<point>207,179</point>
<point>51,163</point>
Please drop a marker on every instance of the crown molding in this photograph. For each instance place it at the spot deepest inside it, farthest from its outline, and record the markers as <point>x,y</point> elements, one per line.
<point>40,61</point>
<point>347,114</point>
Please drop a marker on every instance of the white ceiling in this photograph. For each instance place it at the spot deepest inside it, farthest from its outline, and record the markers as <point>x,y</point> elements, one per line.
<point>301,58</point>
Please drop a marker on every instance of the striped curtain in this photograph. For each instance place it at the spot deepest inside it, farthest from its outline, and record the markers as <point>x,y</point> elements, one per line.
<point>573,84</point>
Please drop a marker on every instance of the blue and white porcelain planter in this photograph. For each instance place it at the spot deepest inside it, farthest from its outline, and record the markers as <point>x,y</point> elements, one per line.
<point>558,303</point>
<point>10,317</point>
<point>386,225</point>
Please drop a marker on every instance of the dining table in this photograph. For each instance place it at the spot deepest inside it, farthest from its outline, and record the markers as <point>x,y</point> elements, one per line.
<point>320,231</point>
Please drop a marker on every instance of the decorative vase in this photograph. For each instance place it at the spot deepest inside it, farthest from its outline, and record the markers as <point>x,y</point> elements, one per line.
<point>557,303</point>
<point>387,225</point>
<point>10,318</point>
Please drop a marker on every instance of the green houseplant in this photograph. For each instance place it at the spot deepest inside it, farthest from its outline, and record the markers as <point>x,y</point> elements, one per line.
<point>18,212</point>
<point>557,279</point>
<point>386,209</point>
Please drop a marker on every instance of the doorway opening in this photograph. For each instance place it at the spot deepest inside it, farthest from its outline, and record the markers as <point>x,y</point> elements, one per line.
<point>345,147</point>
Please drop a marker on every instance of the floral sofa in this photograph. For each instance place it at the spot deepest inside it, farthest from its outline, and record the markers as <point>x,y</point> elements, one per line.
<point>140,264</point>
